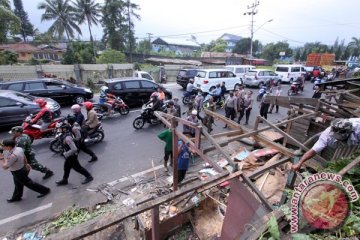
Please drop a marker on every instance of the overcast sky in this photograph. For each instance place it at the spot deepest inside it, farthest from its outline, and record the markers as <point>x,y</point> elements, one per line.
<point>294,21</point>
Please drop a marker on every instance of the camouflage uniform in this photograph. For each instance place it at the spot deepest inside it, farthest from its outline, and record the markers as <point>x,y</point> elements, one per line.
<point>209,120</point>
<point>24,142</point>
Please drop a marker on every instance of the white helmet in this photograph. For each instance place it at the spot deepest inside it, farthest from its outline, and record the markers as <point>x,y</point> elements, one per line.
<point>76,108</point>
<point>194,112</point>
<point>104,88</point>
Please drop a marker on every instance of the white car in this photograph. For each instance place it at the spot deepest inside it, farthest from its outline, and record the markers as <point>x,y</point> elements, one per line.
<point>142,74</point>
<point>206,79</point>
<point>259,77</point>
<point>290,72</point>
<point>240,70</point>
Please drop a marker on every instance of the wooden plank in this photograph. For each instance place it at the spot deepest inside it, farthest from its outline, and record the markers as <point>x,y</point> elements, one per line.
<point>155,222</point>
<point>175,154</point>
<point>227,134</point>
<point>227,121</point>
<point>349,166</point>
<point>102,222</point>
<point>282,100</point>
<point>263,169</point>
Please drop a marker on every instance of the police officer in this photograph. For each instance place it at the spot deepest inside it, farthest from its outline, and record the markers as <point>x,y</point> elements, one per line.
<point>13,158</point>
<point>71,159</point>
<point>23,141</point>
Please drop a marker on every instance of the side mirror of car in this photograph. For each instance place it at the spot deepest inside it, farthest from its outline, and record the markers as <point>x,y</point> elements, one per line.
<point>20,104</point>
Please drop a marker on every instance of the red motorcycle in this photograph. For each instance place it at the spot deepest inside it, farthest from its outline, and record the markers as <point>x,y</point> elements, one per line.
<point>34,131</point>
<point>295,88</point>
<point>117,106</point>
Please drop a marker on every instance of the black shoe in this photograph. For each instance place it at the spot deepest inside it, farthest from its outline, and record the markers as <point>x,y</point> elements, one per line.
<point>246,123</point>
<point>269,112</point>
<point>44,194</point>
<point>62,182</point>
<point>87,180</point>
<point>225,127</point>
<point>13,200</point>
<point>93,159</point>
<point>48,174</point>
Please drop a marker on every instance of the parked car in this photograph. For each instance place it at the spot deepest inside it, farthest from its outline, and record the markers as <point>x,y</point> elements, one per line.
<point>184,75</point>
<point>59,90</point>
<point>16,106</point>
<point>240,70</point>
<point>290,72</point>
<point>134,91</point>
<point>259,77</point>
<point>206,79</point>
<point>142,74</point>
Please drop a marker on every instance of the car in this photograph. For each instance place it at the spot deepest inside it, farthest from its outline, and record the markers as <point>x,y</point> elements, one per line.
<point>290,72</point>
<point>134,91</point>
<point>59,90</point>
<point>259,77</point>
<point>184,75</point>
<point>207,79</point>
<point>16,106</point>
<point>142,74</point>
<point>240,70</point>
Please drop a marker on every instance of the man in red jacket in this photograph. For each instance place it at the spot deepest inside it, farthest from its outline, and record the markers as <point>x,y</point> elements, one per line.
<point>44,117</point>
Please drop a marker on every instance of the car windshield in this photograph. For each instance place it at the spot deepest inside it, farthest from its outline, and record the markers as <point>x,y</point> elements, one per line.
<point>182,73</point>
<point>251,73</point>
<point>282,69</point>
<point>65,83</point>
<point>25,97</point>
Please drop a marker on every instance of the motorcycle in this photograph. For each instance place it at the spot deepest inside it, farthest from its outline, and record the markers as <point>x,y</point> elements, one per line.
<point>295,89</point>
<point>147,116</point>
<point>94,136</point>
<point>118,105</point>
<point>188,97</point>
<point>261,93</point>
<point>34,131</point>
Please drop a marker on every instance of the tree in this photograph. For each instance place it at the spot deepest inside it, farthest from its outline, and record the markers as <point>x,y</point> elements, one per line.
<point>63,15</point>
<point>111,56</point>
<point>26,28</point>
<point>78,52</point>
<point>143,47</point>
<point>297,54</point>
<point>114,24</point>
<point>43,38</point>
<point>243,46</point>
<point>130,12</point>
<point>9,22</point>
<point>88,11</point>
<point>217,46</point>
<point>354,45</point>
<point>272,50</point>
<point>8,57</point>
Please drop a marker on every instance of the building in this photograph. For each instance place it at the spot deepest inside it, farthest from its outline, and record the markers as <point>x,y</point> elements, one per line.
<point>26,51</point>
<point>179,46</point>
<point>230,40</point>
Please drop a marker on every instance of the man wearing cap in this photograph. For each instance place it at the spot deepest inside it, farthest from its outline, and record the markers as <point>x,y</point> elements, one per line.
<point>23,141</point>
<point>341,132</point>
<point>13,159</point>
<point>194,120</point>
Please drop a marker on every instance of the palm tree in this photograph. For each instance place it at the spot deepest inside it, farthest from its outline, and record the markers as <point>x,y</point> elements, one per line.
<point>88,11</point>
<point>63,15</point>
<point>355,45</point>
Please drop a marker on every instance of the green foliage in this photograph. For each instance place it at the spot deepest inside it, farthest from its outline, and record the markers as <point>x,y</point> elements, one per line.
<point>300,236</point>
<point>9,22</point>
<point>111,56</point>
<point>64,16</point>
<point>143,47</point>
<point>272,229</point>
<point>217,46</point>
<point>78,52</point>
<point>26,28</point>
<point>43,38</point>
<point>8,57</point>
<point>243,46</point>
<point>271,51</point>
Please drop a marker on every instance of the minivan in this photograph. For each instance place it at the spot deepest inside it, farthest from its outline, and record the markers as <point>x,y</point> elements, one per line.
<point>184,75</point>
<point>206,79</point>
<point>290,72</point>
<point>240,70</point>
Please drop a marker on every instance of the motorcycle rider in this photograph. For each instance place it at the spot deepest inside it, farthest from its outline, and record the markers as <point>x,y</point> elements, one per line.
<point>161,94</point>
<point>44,117</point>
<point>177,107</point>
<point>190,88</point>
<point>92,120</point>
<point>79,137</point>
<point>104,96</point>
<point>79,117</point>
<point>216,93</point>
<point>23,141</point>
<point>71,157</point>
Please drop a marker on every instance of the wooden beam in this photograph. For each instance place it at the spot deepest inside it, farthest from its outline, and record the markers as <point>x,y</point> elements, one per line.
<point>161,118</point>
<point>228,133</point>
<point>102,222</point>
<point>227,121</point>
<point>175,154</point>
<point>155,223</point>
<point>263,169</point>
<point>349,166</point>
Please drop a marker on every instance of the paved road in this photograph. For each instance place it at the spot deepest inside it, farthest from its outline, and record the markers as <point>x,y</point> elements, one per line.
<point>123,152</point>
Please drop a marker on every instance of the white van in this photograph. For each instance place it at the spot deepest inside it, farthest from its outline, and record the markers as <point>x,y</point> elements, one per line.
<point>206,79</point>
<point>240,70</point>
<point>142,74</point>
<point>290,72</point>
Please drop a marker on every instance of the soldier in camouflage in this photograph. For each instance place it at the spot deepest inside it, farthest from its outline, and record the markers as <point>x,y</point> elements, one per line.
<point>23,141</point>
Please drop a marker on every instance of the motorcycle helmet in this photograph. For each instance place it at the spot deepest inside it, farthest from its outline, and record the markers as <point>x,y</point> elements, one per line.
<point>88,105</point>
<point>76,108</point>
<point>41,102</point>
<point>341,129</point>
<point>104,89</point>
<point>170,103</point>
<point>71,119</point>
<point>154,94</point>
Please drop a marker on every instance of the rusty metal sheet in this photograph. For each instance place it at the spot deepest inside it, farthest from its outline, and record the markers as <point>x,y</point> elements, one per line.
<point>242,209</point>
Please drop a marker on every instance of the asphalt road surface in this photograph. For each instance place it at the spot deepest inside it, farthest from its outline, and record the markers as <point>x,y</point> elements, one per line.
<point>123,152</point>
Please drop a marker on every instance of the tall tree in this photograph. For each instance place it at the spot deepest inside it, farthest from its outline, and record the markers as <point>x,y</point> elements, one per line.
<point>88,11</point>
<point>130,12</point>
<point>354,45</point>
<point>243,46</point>
<point>114,24</point>
<point>272,50</point>
<point>26,28</point>
<point>9,22</point>
<point>63,15</point>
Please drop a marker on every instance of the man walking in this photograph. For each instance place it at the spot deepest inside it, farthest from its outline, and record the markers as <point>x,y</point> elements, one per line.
<point>13,158</point>
<point>230,107</point>
<point>248,103</point>
<point>23,141</point>
<point>166,136</point>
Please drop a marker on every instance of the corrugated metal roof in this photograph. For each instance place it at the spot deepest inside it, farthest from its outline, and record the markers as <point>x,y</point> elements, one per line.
<point>179,41</point>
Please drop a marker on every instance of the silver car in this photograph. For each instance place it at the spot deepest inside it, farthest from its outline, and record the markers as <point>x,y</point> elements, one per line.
<point>259,77</point>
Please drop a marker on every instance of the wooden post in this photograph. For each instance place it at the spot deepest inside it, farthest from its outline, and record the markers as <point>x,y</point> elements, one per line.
<point>288,128</point>
<point>155,224</point>
<point>198,137</point>
<point>257,121</point>
<point>175,154</point>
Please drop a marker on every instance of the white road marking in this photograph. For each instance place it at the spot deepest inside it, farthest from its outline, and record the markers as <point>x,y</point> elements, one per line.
<point>113,183</point>
<point>24,214</point>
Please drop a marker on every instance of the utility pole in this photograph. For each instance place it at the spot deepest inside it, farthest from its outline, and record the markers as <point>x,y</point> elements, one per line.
<point>130,31</point>
<point>252,11</point>
<point>149,35</point>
